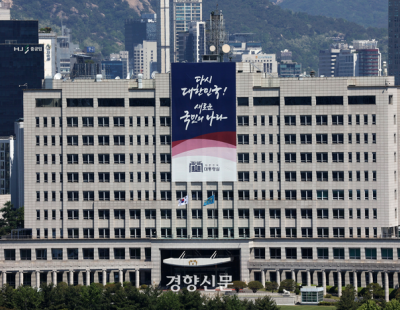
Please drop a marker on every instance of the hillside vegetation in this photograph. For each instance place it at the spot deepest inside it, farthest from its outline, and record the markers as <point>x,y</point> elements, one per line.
<point>101,23</point>
<point>301,33</point>
<point>98,23</point>
<point>368,13</point>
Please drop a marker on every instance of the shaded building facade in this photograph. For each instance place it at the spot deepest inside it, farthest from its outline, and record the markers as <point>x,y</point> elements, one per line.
<point>21,66</point>
<point>394,41</point>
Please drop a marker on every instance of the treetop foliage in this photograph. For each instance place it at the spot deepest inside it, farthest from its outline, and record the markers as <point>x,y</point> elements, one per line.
<point>113,296</point>
<point>11,218</point>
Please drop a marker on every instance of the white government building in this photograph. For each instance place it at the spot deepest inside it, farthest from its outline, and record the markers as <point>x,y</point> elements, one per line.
<point>316,196</point>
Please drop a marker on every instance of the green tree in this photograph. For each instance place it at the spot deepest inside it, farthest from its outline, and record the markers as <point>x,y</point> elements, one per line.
<point>6,297</point>
<point>288,284</point>
<point>255,286</point>
<point>225,303</point>
<point>394,304</point>
<point>374,291</point>
<point>271,286</point>
<point>238,285</point>
<point>12,218</point>
<point>92,296</point>
<point>27,298</point>
<point>347,300</point>
<point>191,300</point>
<point>266,303</point>
<point>169,301</point>
<point>369,305</point>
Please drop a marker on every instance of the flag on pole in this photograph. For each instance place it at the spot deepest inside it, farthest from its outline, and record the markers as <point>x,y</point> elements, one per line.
<point>209,201</point>
<point>183,201</point>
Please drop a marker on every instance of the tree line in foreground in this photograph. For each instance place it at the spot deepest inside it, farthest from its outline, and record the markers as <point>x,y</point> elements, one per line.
<point>114,296</point>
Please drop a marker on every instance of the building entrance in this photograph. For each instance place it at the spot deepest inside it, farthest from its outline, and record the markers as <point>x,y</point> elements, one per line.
<point>182,268</point>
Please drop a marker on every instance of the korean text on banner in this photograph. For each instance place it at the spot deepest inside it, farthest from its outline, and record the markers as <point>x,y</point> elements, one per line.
<point>203,122</point>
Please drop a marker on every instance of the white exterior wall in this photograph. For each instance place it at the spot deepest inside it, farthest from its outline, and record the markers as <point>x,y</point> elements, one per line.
<point>49,41</point>
<point>164,34</point>
<point>251,85</point>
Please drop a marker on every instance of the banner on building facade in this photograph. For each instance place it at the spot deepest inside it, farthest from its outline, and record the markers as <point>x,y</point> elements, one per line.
<point>203,122</point>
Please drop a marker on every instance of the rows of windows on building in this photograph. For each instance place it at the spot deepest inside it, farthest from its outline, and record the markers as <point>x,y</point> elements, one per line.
<point>241,101</point>
<point>213,214</point>
<point>353,253</point>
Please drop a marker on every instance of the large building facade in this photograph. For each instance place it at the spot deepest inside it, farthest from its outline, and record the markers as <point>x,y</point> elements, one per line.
<point>316,196</point>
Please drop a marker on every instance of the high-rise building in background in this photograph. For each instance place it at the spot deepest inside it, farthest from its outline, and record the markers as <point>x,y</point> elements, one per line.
<point>327,59</point>
<point>21,67</point>
<point>260,62</point>
<point>184,12</point>
<point>144,59</point>
<point>84,66</point>
<point>65,49</point>
<point>122,56</point>
<point>164,37</point>
<point>5,11</point>
<point>369,57</point>
<point>347,63</point>
<point>394,40</point>
<point>363,58</point>
<point>112,69</point>
<point>137,31</point>
<point>242,44</point>
<point>287,68</point>
<point>192,43</point>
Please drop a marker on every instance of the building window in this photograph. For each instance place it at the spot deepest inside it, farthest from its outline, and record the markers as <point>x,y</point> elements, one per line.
<point>322,120</point>
<point>306,157</point>
<point>259,253</point>
<point>181,233</point>
<point>291,253</point>
<point>322,253</point>
<point>104,253</point>
<point>259,232</point>
<point>321,138</point>
<point>275,232</point>
<point>323,232</point>
<point>243,120</point>
<point>72,254</point>
<point>338,232</point>
<point>387,253</point>
<point>338,253</point>
<point>119,253</point>
<point>322,157</point>
<point>244,194</point>
<point>9,254</point>
<point>370,253</point>
<point>306,253</point>
<point>354,253</point>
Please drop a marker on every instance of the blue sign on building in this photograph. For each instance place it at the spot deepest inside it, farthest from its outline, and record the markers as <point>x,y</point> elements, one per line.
<point>90,49</point>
